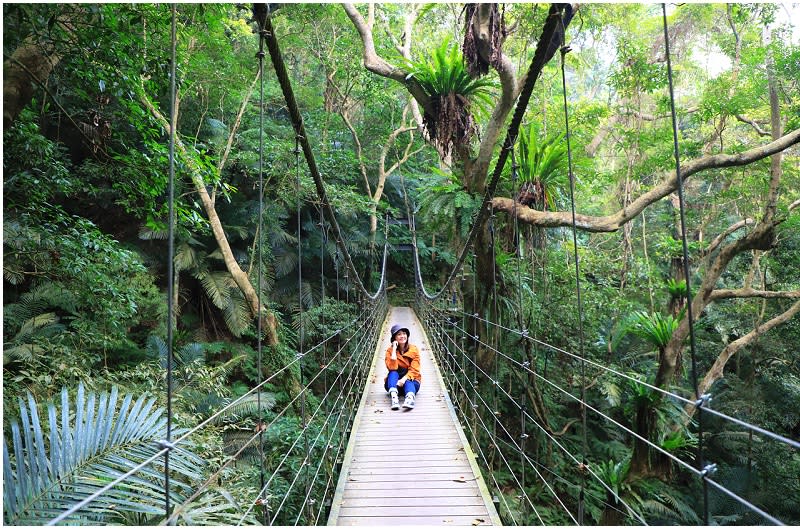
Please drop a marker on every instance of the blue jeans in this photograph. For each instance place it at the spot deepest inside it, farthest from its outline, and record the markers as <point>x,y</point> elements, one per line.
<point>411,386</point>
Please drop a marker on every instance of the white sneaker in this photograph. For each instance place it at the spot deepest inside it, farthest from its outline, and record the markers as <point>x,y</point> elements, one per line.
<point>395,400</point>
<point>409,402</point>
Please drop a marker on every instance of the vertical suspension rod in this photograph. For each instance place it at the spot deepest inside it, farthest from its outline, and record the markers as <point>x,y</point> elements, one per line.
<point>171,252</point>
<point>686,271</point>
<point>564,50</point>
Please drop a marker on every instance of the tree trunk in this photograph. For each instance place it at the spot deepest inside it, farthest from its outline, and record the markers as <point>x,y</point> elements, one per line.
<point>30,63</point>
<point>270,322</point>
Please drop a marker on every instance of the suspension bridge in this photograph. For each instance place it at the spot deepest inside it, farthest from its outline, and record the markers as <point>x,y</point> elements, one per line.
<point>453,460</point>
<point>404,468</point>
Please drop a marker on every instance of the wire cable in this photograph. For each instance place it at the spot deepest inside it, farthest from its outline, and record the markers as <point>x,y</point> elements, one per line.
<point>564,50</point>
<point>171,251</point>
<point>685,254</point>
<point>260,230</point>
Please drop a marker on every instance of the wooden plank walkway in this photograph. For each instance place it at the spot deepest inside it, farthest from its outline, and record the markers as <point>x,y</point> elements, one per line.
<point>409,467</point>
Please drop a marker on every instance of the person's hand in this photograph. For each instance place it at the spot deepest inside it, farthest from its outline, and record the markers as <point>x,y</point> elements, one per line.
<point>394,350</point>
<point>402,382</point>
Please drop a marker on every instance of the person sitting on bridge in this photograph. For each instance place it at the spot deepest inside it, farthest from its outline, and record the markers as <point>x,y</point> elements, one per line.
<point>402,361</point>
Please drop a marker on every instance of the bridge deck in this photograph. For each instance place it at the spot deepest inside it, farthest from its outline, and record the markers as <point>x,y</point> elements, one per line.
<point>409,467</point>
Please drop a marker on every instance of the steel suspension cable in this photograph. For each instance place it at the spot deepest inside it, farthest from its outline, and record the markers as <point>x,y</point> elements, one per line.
<point>564,50</point>
<point>164,449</point>
<point>260,428</point>
<point>167,445</point>
<point>301,341</point>
<point>493,436</point>
<point>526,368</point>
<point>533,419</point>
<point>170,252</point>
<point>667,393</point>
<point>364,338</point>
<point>517,448</point>
<point>704,473</point>
<point>300,134</point>
<point>686,271</point>
<point>518,255</point>
<point>260,56</point>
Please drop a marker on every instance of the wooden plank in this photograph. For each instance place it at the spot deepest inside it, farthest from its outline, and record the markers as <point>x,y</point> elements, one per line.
<point>430,484</point>
<point>409,467</point>
<point>414,520</point>
<point>392,500</point>
<point>434,448</point>
<point>400,489</point>
<point>372,460</point>
<point>424,510</point>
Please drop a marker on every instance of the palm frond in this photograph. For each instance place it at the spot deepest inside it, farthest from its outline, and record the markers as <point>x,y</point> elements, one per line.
<point>455,95</point>
<point>655,328</point>
<point>543,162</point>
<point>249,406</point>
<point>190,353</point>
<point>34,331</point>
<point>150,232</point>
<point>97,440</point>
<point>236,313</point>
<point>218,286</point>
<point>676,288</point>
<point>215,507</point>
<point>186,257</point>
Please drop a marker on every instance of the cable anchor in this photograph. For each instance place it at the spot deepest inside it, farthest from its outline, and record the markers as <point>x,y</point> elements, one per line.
<point>703,401</point>
<point>709,470</point>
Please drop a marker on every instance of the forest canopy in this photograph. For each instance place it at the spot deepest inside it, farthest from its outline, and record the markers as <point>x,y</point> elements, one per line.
<point>407,108</point>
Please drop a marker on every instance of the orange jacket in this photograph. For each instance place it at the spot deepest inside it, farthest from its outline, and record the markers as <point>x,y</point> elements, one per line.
<point>408,360</point>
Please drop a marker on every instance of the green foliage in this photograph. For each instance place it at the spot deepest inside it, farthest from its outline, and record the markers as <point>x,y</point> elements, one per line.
<point>454,95</point>
<point>78,298</point>
<point>97,439</point>
<point>34,169</point>
<point>85,235</point>
<point>655,328</point>
<point>614,474</point>
<point>542,165</point>
<point>676,288</point>
<point>636,73</point>
<point>445,207</point>
<point>445,73</point>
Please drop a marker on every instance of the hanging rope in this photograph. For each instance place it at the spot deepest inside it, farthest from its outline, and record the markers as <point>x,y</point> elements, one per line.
<point>582,467</point>
<point>300,133</point>
<point>170,255</point>
<point>701,399</point>
<point>261,499</point>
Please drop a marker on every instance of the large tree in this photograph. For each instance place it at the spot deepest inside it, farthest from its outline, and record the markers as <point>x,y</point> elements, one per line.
<point>733,116</point>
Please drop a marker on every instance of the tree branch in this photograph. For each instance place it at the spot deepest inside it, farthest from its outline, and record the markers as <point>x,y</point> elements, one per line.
<point>241,279</point>
<point>752,293</point>
<point>609,223</point>
<point>377,65</point>
<point>716,370</point>
<point>753,124</point>
<point>721,237</point>
<point>223,160</point>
